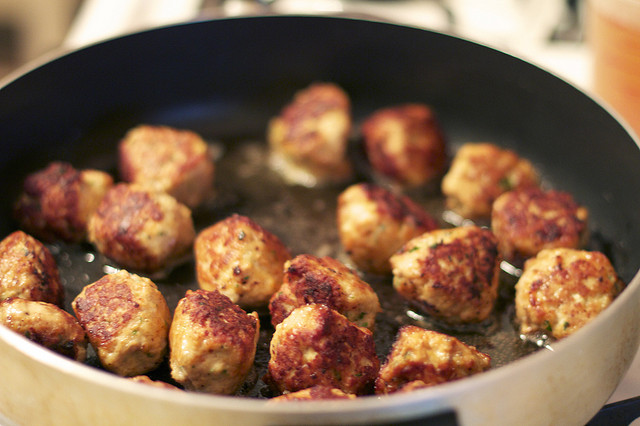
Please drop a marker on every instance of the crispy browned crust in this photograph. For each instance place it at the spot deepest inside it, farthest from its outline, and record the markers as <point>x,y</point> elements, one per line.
<point>172,160</point>
<point>422,358</point>
<point>374,222</point>
<point>242,260</point>
<point>345,356</point>
<point>455,279</point>
<point>45,324</point>
<point>528,220</point>
<point>405,143</point>
<point>130,225</point>
<point>313,394</point>
<point>156,383</point>
<point>51,206</point>
<point>310,279</point>
<point>28,270</point>
<point>560,290</point>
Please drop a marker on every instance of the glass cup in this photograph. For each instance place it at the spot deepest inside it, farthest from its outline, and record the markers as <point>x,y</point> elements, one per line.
<point>613,33</point>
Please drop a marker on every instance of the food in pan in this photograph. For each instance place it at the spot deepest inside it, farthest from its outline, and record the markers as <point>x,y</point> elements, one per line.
<point>528,220</point>
<point>311,279</point>
<point>316,345</point>
<point>374,222</point>
<point>241,260</point>
<point>562,289</point>
<point>28,270</point>
<point>213,342</point>
<point>405,144</point>
<point>45,324</point>
<point>148,381</point>
<point>56,202</point>
<point>479,173</point>
<point>451,274</point>
<point>314,393</point>
<point>309,138</point>
<point>162,158</point>
<point>421,358</point>
<point>141,230</point>
<point>127,321</point>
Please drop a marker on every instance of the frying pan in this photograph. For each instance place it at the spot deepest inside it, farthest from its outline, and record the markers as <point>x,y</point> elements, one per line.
<point>225,79</point>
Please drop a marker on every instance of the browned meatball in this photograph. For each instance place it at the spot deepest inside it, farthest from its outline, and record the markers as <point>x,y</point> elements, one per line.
<point>28,270</point>
<point>56,202</point>
<point>421,358</point>
<point>241,260</point>
<point>313,394</point>
<point>479,173</point>
<point>450,273</point>
<point>127,321</point>
<point>310,279</point>
<point>309,139</point>
<point>161,158</point>
<point>405,144</point>
<point>528,220</point>
<point>45,324</point>
<point>141,230</point>
<point>373,223</point>
<point>213,343</point>
<point>562,289</point>
<point>316,345</point>
<point>156,383</point>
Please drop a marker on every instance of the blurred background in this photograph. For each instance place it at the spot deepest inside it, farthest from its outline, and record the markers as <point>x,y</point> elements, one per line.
<point>548,32</point>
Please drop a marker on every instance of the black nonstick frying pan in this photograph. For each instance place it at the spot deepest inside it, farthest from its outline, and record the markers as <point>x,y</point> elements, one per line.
<point>225,79</point>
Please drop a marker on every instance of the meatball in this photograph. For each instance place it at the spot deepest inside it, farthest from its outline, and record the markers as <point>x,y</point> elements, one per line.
<point>141,230</point>
<point>479,173</point>
<point>528,220</point>
<point>156,383</point>
<point>56,202</point>
<point>313,394</point>
<point>310,279</point>
<point>28,270</point>
<point>213,343</point>
<point>562,289</point>
<point>241,260</point>
<point>373,223</point>
<point>127,321</point>
<point>405,144</point>
<point>317,345</point>
<point>308,140</point>
<point>161,158</point>
<point>451,274</point>
<point>421,358</point>
<point>45,324</point>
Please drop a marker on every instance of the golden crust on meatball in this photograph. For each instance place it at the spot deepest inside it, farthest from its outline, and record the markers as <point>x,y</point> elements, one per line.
<point>560,290</point>
<point>314,393</point>
<point>309,139</point>
<point>28,270</point>
<point>373,223</point>
<point>316,345</point>
<point>141,230</point>
<point>127,321</point>
<point>405,143</point>
<point>421,358</point>
<point>56,202</point>
<point>451,274</point>
<point>310,279</point>
<point>175,161</point>
<point>241,260</point>
<point>528,220</point>
<point>45,324</point>
<point>213,343</point>
<point>479,173</point>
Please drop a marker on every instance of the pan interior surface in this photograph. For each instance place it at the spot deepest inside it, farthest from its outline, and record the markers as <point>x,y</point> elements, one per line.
<point>225,79</point>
